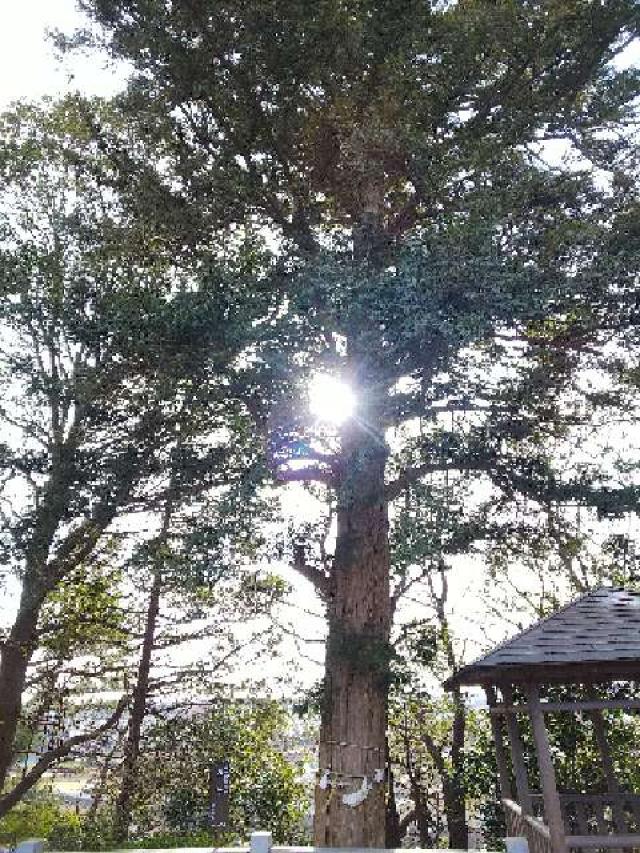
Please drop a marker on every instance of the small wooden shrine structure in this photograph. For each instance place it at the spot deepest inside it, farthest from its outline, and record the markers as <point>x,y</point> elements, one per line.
<point>594,641</point>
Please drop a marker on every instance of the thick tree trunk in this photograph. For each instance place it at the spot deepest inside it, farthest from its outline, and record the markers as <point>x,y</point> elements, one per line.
<point>350,795</point>
<point>138,712</point>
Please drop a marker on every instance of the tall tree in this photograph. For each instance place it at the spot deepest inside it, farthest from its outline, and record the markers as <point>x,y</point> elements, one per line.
<point>199,592</point>
<point>82,631</point>
<point>386,144</point>
<point>99,338</point>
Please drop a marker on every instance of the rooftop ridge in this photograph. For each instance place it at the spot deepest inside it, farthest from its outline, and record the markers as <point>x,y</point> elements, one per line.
<point>547,655</point>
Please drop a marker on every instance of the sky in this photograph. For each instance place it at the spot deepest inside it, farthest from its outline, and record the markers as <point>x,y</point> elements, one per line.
<point>30,69</point>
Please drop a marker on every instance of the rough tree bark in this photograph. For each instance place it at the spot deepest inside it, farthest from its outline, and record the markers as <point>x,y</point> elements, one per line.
<point>455,811</point>
<point>350,796</point>
<point>350,801</point>
<point>393,827</point>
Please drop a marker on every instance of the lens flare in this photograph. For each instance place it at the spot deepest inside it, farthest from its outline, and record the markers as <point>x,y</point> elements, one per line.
<point>330,399</point>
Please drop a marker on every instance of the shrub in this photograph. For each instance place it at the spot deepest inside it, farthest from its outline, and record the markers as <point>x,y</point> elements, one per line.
<point>39,817</point>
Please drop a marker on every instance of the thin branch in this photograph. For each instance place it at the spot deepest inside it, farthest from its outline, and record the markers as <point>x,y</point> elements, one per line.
<point>292,633</point>
<point>433,749</point>
<point>406,822</point>
<point>42,765</point>
<point>79,544</point>
<point>411,475</point>
<point>405,585</point>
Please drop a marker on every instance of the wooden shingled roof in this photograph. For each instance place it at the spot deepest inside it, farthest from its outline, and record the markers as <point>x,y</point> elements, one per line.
<point>596,638</point>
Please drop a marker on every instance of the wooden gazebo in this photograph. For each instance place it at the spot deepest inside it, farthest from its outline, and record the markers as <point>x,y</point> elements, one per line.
<point>592,642</point>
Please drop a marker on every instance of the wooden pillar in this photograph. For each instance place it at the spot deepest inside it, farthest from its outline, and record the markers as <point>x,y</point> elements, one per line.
<point>552,809</point>
<point>517,754</point>
<point>600,732</point>
<point>501,756</point>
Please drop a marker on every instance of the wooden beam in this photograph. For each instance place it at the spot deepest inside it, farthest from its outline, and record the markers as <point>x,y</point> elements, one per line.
<point>517,757</point>
<point>581,818</point>
<point>533,823</point>
<point>591,799</point>
<point>584,672</point>
<point>578,705</point>
<point>552,809</point>
<point>501,755</point>
<point>607,841</point>
<point>600,732</point>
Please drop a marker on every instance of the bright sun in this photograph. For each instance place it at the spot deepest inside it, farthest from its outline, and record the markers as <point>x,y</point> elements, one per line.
<point>331,399</point>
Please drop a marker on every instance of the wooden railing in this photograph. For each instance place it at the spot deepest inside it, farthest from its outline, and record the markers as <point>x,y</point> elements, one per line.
<point>601,814</point>
<point>525,826</point>
<point>596,814</point>
<point>592,821</point>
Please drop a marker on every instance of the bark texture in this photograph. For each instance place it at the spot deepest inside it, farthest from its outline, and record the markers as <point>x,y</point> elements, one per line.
<point>350,796</point>
<point>455,811</point>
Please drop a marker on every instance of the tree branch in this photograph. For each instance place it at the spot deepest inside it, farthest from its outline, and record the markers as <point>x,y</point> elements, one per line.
<point>406,822</point>
<point>434,751</point>
<point>29,780</point>
<point>79,544</point>
<point>313,575</point>
<point>301,475</point>
<point>411,475</point>
<point>405,585</point>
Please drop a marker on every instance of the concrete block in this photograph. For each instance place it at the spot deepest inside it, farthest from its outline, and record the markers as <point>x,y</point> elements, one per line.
<point>31,845</point>
<point>517,844</point>
<point>260,842</point>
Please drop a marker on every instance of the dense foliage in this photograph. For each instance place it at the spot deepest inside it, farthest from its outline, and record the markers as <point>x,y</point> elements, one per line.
<point>353,188</point>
